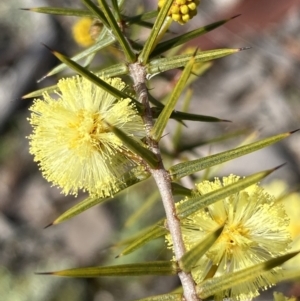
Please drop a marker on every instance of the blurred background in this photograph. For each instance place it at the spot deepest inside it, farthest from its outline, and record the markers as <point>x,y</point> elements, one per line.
<point>258,90</point>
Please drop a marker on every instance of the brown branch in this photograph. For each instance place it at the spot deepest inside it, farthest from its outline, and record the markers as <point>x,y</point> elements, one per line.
<point>163,181</point>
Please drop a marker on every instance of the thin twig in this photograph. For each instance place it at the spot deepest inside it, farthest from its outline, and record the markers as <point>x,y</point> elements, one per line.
<point>163,182</point>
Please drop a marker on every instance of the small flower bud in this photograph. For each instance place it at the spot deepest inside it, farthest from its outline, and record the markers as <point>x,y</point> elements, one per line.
<point>181,11</point>
<point>81,32</point>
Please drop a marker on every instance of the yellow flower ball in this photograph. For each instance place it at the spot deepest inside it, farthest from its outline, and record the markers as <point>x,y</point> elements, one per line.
<point>72,143</point>
<point>255,230</point>
<point>81,32</point>
<point>181,11</point>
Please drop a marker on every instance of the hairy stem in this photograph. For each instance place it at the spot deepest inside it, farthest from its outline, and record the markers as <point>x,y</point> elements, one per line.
<point>163,181</point>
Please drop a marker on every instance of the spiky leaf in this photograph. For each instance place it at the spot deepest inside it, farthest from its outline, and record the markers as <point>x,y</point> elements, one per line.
<point>135,146</point>
<point>148,47</point>
<point>95,79</point>
<point>164,64</point>
<point>130,56</point>
<point>166,297</point>
<point>163,118</point>
<point>190,258</point>
<point>183,169</point>
<point>130,178</point>
<point>115,70</point>
<point>199,202</point>
<point>187,116</point>
<point>145,236</point>
<point>103,41</point>
<point>179,40</point>
<point>215,285</point>
<point>135,269</point>
<point>62,11</point>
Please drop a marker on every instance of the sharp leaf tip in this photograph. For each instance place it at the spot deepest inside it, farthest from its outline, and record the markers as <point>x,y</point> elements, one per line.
<point>47,47</point>
<point>244,48</point>
<point>42,78</point>
<point>279,166</point>
<point>43,273</point>
<point>48,225</point>
<point>235,16</point>
<point>294,131</point>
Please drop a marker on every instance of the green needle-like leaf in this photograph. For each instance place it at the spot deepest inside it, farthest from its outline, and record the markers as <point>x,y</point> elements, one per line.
<point>62,11</point>
<point>89,59</point>
<point>184,169</point>
<point>115,70</point>
<point>40,92</point>
<point>156,111</point>
<point>143,17</point>
<point>155,102</point>
<point>116,9</point>
<point>103,41</point>
<point>162,15</point>
<point>178,189</point>
<point>214,285</point>
<point>77,209</point>
<point>163,118</point>
<point>136,147</point>
<point>181,147</point>
<point>132,177</point>
<point>95,9</point>
<point>151,233</point>
<point>200,202</point>
<point>190,258</point>
<point>164,64</point>
<point>179,40</point>
<point>165,297</point>
<point>135,269</point>
<point>130,55</point>
<point>95,79</point>
<point>178,115</point>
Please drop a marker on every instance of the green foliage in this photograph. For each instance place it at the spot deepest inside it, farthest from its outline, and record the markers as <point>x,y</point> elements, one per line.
<point>142,62</point>
<point>135,269</point>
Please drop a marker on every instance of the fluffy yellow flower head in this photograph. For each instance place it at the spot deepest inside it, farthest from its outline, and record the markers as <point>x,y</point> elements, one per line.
<point>81,32</point>
<point>71,140</point>
<point>181,11</point>
<point>255,230</point>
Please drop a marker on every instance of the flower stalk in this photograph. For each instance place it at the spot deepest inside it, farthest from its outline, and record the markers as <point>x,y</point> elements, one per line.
<point>163,181</point>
